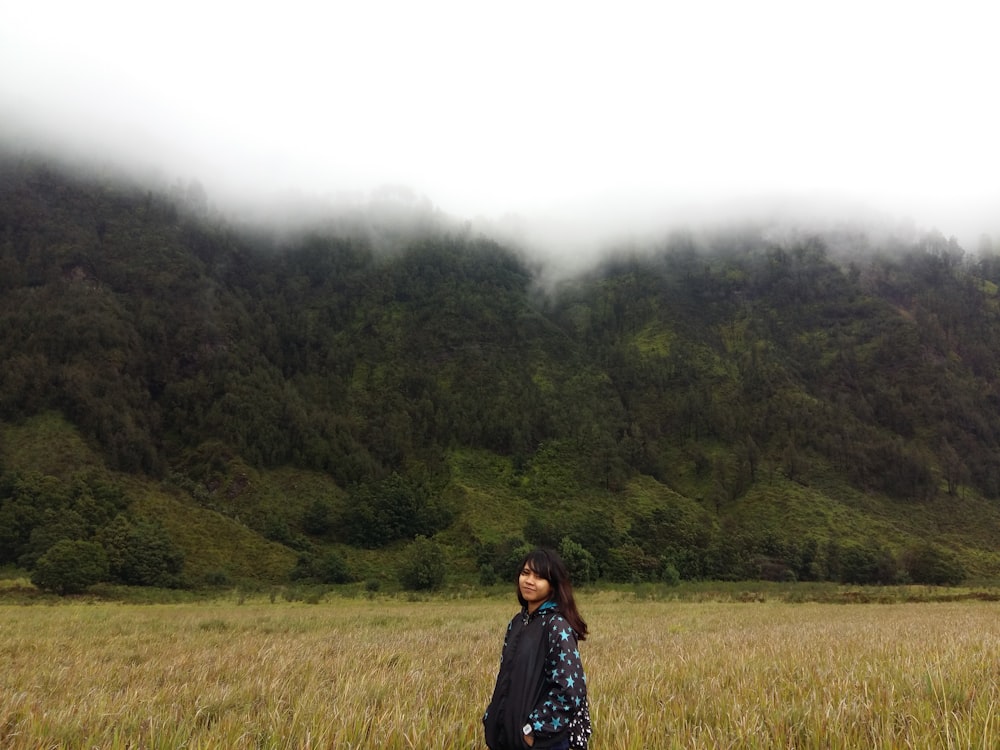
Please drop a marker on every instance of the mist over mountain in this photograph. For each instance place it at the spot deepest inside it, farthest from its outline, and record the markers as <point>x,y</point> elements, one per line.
<point>745,399</point>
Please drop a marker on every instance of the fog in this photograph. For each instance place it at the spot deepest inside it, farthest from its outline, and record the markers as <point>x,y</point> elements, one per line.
<point>566,127</point>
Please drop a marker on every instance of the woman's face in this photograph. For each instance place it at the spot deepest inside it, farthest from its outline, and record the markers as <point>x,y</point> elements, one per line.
<point>535,590</point>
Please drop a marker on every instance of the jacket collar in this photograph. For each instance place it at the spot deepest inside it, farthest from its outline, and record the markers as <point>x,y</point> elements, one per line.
<point>544,607</point>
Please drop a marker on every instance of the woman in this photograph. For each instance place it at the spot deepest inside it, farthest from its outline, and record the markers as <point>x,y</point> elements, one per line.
<point>540,698</point>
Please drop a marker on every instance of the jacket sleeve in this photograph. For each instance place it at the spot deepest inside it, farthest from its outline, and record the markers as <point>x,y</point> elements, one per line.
<point>506,639</point>
<point>565,690</point>
<point>491,724</point>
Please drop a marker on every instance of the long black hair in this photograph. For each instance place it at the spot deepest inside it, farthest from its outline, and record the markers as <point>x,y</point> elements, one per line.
<point>547,564</point>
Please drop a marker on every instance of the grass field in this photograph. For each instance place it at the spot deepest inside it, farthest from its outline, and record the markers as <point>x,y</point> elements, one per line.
<point>391,673</point>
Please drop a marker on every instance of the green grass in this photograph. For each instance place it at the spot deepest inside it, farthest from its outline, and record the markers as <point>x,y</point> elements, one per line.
<point>486,489</point>
<point>214,543</point>
<point>46,444</point>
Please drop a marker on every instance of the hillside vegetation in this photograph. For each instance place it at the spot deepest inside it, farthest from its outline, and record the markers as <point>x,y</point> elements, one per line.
<point>186,400</point>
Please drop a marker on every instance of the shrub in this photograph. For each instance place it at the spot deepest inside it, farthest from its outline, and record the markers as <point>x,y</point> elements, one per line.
<point>70,567</point>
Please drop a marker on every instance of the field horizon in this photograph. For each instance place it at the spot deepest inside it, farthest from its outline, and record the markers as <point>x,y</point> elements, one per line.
<point>398,672</point>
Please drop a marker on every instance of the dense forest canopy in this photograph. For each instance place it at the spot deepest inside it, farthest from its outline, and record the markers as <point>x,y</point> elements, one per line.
<point>740,403</point>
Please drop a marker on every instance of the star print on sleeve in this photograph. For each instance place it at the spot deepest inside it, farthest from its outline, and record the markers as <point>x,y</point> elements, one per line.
<point>564,696</point>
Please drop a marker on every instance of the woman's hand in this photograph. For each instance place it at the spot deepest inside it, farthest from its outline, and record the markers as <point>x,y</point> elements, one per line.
<point>530,739</point>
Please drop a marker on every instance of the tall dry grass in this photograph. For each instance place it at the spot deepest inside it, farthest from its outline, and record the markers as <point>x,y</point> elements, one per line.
<point>348,673</point>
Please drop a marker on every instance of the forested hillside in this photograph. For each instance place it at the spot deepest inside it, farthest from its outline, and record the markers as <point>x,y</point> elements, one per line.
<point>186,400</point>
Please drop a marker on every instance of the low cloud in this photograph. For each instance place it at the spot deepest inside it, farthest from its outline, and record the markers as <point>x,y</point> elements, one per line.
<point>564,129</point>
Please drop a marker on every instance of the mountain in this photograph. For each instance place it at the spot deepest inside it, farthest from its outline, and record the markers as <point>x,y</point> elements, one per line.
<point>739,403</point>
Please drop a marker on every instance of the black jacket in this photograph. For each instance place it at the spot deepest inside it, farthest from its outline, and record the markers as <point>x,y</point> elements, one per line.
<point>540,682</point>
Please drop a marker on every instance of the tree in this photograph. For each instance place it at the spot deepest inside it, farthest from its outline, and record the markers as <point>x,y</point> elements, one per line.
<point>318,517</point>
<point>579,562</point>
<point>630,564</point>
<point>866,563</point>
<point>925,562</point>
<point>955,471</point>
<point>141,553</point>
<point>423,565</point>
<point>392,509</point>
<point>328,567</point>
<point>56,526</point>
<point>499,561</point>
<point>17,520</point>
<point>70,567</point>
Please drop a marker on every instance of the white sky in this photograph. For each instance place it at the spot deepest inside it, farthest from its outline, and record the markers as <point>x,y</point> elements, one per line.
<point>573,109</point>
